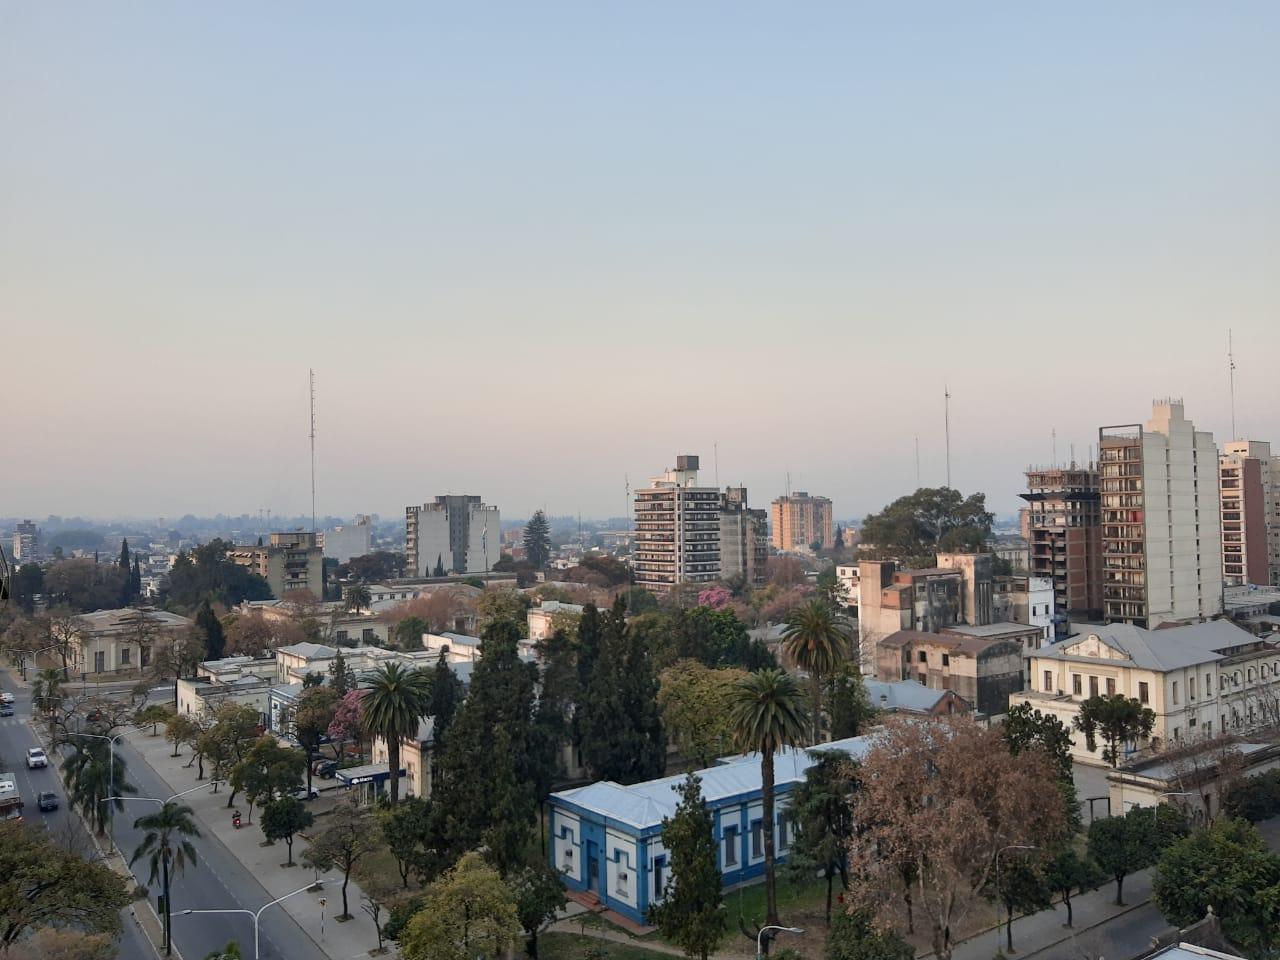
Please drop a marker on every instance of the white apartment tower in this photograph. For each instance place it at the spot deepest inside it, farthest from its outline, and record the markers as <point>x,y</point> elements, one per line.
<point>1250,513</point>
<point>1161,531</point>
<point>456,534</point>
<point>677,530</point>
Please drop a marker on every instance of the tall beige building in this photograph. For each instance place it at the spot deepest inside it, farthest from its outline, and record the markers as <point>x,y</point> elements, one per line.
<point>799,521</point>
<point>1250,513</point>
<point>291,561</point>
<point>1161,532</point>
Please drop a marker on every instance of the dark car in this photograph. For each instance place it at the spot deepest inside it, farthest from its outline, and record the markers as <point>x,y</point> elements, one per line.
<point>47,801</point>
<point>6,710</point>
<point>325,769</point>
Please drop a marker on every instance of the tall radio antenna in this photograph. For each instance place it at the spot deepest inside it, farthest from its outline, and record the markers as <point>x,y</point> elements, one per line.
<point>1231,377</point>
<point>946,394</point>
<point>312,375</point>
<point>917,463</point>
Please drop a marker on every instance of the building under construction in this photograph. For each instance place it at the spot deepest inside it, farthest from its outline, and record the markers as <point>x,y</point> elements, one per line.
<point>1063,528</point>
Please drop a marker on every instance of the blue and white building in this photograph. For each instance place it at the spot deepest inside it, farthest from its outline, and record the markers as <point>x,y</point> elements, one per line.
<point>606,838</point>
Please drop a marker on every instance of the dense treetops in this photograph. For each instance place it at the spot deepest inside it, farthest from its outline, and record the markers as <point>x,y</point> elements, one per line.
<point>914,528</point>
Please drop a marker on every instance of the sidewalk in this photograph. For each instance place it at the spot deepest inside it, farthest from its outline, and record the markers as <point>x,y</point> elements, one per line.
<point>1046,929</point>
<point>339,941</point>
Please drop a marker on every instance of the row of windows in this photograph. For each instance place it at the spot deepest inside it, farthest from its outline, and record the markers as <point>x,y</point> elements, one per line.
<point>1263,671</point>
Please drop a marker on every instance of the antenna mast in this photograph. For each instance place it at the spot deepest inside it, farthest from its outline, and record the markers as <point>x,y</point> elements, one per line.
<point>1053,443</point>
<point>917,463</point>
<point>312,375</point>
<point>1231,376</point>
<point>716,452</point>
<point>946,394</point>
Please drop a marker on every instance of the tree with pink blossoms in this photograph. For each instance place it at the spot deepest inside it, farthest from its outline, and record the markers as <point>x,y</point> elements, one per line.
<point>345,725</point>
<point>717,598</point>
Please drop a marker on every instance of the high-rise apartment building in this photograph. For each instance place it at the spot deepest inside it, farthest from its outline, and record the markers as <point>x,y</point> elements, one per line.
<point>291,561</point>
<point>1161,533</point>
<point>455,534</point>
<point>1063,529</point>
<point>26,542</point>
<point>690,534</point>
<point>800,521</point>
<point>1250,513</point>
<point>349,540</point>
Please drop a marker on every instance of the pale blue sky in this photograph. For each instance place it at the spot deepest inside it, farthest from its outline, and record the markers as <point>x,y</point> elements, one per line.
<point>533,248</point>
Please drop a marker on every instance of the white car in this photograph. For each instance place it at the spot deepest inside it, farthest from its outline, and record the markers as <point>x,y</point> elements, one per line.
<point>6,696</point>
<point>36,758</point>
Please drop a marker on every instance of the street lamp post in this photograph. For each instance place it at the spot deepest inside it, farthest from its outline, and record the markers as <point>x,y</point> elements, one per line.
<point>999,897</point>
<point>256,916</point>
<point>174,797</point>
<point>760,936</point>
<point>33,654</point>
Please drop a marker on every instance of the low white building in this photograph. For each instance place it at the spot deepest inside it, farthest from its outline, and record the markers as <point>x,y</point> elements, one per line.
<point>109,641</point>
<point>1200,680</point>
<point>541,618</point>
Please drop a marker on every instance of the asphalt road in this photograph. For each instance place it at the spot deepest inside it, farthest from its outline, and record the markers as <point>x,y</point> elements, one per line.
<point>218,881</point>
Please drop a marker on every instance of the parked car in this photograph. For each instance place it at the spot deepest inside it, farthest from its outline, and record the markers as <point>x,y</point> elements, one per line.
<point>36,758</point>
<point>301,794</point>
<point>47,800</point>
<point>6,710</point>
<point>325,769</point>
<point>6,696</point>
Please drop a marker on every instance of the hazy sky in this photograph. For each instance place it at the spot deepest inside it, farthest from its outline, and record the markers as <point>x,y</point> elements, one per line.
<point>533,248</point>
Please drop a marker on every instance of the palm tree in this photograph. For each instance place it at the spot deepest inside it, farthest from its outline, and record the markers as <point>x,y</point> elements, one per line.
<point>356,598</point>
<point>766,712</point>
<point>395,701</point>
<point>816,641</point>
<point>46,689</point>
<point>167,845</point>
<point>93,774</point>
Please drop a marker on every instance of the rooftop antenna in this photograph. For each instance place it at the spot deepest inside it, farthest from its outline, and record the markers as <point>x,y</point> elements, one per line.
<point>946,394</point>
<point>715,447</point>
<point>917,463</point>
<point>1231,376</point>
<point>312,375</point>
<point>1053,444</point>
<point>788,484</point>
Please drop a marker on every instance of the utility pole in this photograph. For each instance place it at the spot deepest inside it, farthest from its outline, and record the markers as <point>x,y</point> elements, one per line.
<point>917,463</point>
<point>312,375</point>
<point>1231,377</point>
<point>946,395</point>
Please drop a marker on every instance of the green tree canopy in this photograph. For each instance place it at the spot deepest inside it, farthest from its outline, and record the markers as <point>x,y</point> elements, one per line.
<point>1116,720</point>
<point>205,573</point>
<point>283,818</point>
<point>694,700</point>
<point>855,936</point>
<point>468,914</point>
<point>822,809</point>
<point>689,912</point>
<point>914,528</point>
<point>537,540</point>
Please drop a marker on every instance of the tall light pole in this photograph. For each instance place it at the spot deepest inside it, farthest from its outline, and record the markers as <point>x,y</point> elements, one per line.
<point>201,786</point>
<point>760,936</point>
<point>999,897</point>
<point>256,916</point>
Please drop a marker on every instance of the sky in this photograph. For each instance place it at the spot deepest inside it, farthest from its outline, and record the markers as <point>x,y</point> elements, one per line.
<point>535,251</point>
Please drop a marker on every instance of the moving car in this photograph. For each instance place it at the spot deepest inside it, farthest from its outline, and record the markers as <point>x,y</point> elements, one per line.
<point>301,794</point>
<point>36,758</point>
<point>6,710</point>
<point>325,769</point>
<point>47,800</point>
<point>6,696</point>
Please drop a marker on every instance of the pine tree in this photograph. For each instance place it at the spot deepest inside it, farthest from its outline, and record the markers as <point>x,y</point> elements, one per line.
<point>689,912</point>
<point>135,578</point>
<point>341,677</point>
<point>439,570</point>
<point>537,540</point>
<point>215,642</point>
<point>124,557</point>
<point>446,694</point>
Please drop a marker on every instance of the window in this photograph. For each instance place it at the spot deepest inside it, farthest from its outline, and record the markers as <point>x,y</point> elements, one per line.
<point>567,864</point>
<point>922,679</point>
<point>366,635</point>
<point>622,885</point>
<point>1048,681</point>
<point>1144,692</point>
<point>1191,722</point>
<point>1093,686</point>
<point>946,659</point>
<point>783,841</point>
<point>1191,688</point>
<point>1175,692</point>
<point>124,656</point>
<point>340,636</point>
<point>922,657</point>
<point>730,846</point>
<point>757,839</point>
<point>1075,684</point>
<point>1111,686</point>
<point>659,868</point>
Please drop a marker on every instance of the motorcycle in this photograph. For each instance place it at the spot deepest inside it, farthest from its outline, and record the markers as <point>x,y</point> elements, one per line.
<point>235,819</point>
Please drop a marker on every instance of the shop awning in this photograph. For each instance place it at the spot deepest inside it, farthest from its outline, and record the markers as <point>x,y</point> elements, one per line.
<point>369,773</point>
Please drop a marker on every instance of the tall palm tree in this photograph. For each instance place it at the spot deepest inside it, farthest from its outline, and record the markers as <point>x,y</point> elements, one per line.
<point>168,848</point>
<point>394,702</point>
<point>46,689</point>
<point>356,598</point>
<point>816,641</point>
<point>766,712</point>
<point>93,774</point>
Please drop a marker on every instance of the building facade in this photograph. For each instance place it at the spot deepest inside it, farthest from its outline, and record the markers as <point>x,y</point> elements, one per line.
<point>606,838</point>
<point>744,538</point>
<point>108,641</point>
<point>455,534</point>
<point>800,521</point>
<point>1063,529</point>
<point>1250,514</point>
<point>349,540</point>
<point>1161,532</point>
<point>291,561</point>
<point>1200,679</point>
<point>26,542</point>
<point>983,672</point>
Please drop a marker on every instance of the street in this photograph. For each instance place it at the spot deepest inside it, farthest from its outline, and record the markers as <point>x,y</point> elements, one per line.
<point>216,882</point>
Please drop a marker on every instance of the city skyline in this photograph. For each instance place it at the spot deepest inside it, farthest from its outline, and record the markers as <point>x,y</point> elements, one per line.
<point>552,250</point>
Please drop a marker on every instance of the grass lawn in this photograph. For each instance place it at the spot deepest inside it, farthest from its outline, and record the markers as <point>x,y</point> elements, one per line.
<point>805,898</point>
<point>555,945</point>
